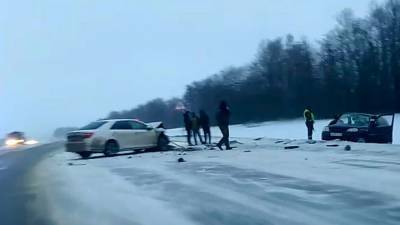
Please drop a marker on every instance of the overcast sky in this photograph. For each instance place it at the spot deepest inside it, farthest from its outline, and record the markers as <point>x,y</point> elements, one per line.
<point>67,62</point>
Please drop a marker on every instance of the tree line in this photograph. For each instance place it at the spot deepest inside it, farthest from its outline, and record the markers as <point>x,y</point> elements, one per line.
<point>354,67</point>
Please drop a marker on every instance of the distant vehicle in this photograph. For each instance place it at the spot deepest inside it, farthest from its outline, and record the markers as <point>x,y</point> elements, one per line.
<point>15,138</point>
<point>113,136</point>
<point>361,127</point>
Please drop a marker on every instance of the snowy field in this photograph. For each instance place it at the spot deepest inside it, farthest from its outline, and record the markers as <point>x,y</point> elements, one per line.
<point>259,182</point>
<point>291,129</point>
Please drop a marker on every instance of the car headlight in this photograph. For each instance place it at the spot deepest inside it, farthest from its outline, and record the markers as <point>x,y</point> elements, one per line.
<point>31,142</point>
<point>352,130</point>
<point>326,129</point>
<point>11,142</point>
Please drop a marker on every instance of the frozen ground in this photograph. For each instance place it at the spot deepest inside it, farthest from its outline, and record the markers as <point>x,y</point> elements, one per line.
<point>291,129</point>
<point>259,182</point>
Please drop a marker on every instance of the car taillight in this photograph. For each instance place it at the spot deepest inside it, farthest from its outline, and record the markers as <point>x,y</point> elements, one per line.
<point>87,135</point>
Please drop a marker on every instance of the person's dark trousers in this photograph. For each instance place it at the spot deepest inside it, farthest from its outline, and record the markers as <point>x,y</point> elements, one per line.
<point>189,136</point>
<point>207,135</point>
<point>225,137</point>
<point>310,128</point>
<point>196,133</point>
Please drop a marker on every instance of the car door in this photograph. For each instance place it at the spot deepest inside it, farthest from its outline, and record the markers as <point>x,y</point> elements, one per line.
<point>381,130</point>
<point>145,136</point>
<point>123,133</point>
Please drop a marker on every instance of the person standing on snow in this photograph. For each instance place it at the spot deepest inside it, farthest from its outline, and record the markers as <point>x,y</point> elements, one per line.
<point>188,126</point>
<point>205,125</point>
<point>309,118</point>
<point>223,117</point>
<point>196,128</point>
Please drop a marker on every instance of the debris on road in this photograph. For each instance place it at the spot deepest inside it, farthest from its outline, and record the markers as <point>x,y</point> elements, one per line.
<point>292,147</point>
<point>181,160</point>
<point>76,164</point>
<point>332,145</point>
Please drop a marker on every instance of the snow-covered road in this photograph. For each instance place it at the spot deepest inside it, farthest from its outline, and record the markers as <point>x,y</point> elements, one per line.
<point>257,183</point>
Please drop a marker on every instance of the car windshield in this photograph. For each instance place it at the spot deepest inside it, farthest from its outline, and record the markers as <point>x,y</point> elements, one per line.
<point>359,120</point>
<point>93,125</point>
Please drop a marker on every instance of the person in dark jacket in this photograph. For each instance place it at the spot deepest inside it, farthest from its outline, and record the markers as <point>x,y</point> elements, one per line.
<point>205,125</point>
<point>309,118</point>
<point>223,117</point>
<point>188,126</point>
<point>196,128</point>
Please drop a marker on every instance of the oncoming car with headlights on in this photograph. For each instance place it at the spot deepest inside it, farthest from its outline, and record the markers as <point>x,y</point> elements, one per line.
<point>15,138</point>
<point>18,138</point>
<point>361,127</point>
<point>112,136</point>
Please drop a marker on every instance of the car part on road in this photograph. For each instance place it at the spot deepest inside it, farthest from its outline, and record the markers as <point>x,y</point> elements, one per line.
<point>332,145</point>
<point>180,160</point>
<point>291,147</point>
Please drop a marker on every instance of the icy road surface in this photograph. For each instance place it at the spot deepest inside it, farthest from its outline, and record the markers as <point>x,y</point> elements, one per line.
<point>259,182</point>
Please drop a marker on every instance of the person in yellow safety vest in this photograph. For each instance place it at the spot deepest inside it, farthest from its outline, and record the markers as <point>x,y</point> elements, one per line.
<point>309,118</point>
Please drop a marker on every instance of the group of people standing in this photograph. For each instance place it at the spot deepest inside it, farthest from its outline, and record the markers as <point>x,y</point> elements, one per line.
<point>194,123</point>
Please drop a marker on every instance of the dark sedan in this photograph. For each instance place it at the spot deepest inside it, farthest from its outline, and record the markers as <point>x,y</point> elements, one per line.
<point>361,127</point>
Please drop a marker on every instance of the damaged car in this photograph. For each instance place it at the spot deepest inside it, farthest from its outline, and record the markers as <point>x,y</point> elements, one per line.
<point>112,136</point>
<point>361,127</point>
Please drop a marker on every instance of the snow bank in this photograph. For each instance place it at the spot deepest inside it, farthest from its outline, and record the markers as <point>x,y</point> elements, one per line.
<point>290,129</point>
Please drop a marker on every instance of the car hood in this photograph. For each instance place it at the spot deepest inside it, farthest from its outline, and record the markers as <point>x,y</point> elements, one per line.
<point>156,124</point>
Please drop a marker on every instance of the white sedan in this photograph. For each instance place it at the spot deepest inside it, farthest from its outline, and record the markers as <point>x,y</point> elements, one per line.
<point>112,136</point>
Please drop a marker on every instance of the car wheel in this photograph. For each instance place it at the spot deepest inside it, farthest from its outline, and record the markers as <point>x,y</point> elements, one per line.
<point>361,140</point>
<point>85,155</point>
<point>163,142</point>
<point>111,148</point>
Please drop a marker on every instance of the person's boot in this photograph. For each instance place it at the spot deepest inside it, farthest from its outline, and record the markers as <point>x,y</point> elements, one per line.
<point>220,147</point>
